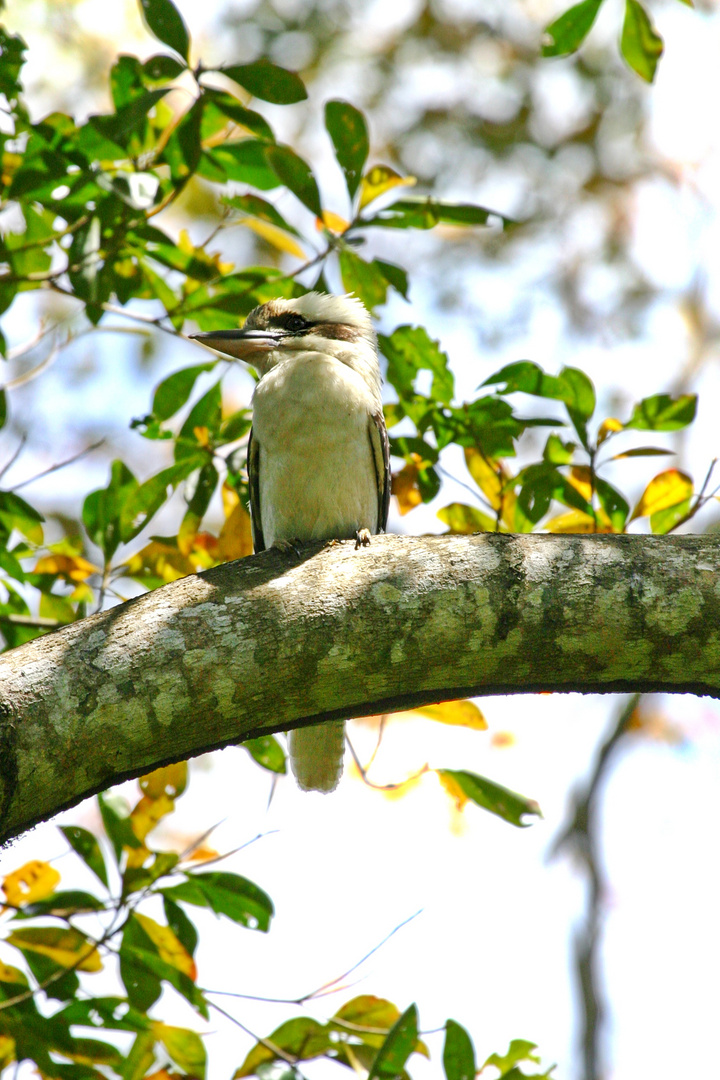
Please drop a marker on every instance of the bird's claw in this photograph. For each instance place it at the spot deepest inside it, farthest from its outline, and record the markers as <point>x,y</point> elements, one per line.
<point>362,538</point>
<point>287,546</point>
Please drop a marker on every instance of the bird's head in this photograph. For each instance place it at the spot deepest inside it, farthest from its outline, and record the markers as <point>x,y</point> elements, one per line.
<point>339,326</point>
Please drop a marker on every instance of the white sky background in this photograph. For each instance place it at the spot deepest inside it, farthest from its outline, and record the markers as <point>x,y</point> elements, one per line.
<point>492,945</point>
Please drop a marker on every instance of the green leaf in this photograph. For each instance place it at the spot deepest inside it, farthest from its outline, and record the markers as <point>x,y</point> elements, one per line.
<point>613,503</point>
<point>520,1050</point>
<point>268,752</point>
<point>364,279</point>
<point>302,1038</point>
<point>185,1047</point>
<point>254,206</point>
<point>145,500</point>
<point>243,161</point>
<point>498,800</point>
<point>180,925</point>
<point>268,82</point>
<point>182,150</point>
<point>44,968</point>
<point>557,452</point>
<point>102,509</point>
<point>397,1048</point>
<point>663,521</point>
<point>165,22</point>
<point>640,43</point>
<point>465,520</point>
<point>67,900</point>
<point>458,1053</point>
<point>205,413</point>
<point>15,513</point>
<point>162,68</point>
<point>570,30</point>
<point>142,984</point>
<point>116,819</point>
<point>409,350</point>
<point>172,393</point>
<point>348,130</point>
<point>296,175</point>
<point>422,212</point>
<point>141,1056</point>
<point>227,894</point>
<point>221,107</point>
<point>148,965</point>
<point>395,275</point>
<point>663,413</point>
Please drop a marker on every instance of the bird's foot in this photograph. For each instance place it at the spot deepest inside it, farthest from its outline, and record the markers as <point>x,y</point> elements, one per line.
<point>287,547</point>
<point>362,538</point>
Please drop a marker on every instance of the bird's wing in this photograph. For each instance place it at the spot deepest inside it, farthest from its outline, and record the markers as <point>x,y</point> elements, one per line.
<point>381,456</point>
<point>253,468</point>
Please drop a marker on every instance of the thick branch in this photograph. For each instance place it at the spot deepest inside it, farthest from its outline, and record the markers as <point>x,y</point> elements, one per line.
<point>275,642</point>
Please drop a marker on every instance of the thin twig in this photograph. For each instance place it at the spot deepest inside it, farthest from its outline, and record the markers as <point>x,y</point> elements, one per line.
<point>14,456</point>
<point>384,787</point>
<point>60,465</point>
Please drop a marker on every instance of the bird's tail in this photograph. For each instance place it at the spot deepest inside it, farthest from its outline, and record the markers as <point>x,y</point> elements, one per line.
<point>316,755</point>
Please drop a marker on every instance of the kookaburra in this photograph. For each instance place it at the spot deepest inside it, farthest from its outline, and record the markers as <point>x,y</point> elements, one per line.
<point>318,457</point>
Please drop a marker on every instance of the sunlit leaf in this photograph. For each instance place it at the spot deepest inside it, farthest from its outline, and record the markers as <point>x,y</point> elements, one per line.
<point>520,1050</point>
<point>568,32</point>
<point>33,881</point>
<point>364,279</point>
<point>640,43</point>
<point>274,236</point>
<point>461,713</point>
<point>172,393</point>
<point>169,948</point>
<point>643,451</point>
<point>613,503</point>
<point>368,1017</point>
<point>575,521</point>
<point>267,81</point>
<point>165,22</point>
<point>235,540</point>
<point>302,1038</point>
<point>378,180</point>
<point>333,222</point>
<point>15,513</point>
<point>348,130</point>
<point>169,780</point>
<point>148,813</point>
<point>458,1053</point>
<point>67,947</point>
<point>510,806</point>
<point>665,490</point>
<point>465,520</point>
<point>409,350</point>
<point>609,427</point>
<point>185,1047</point>
<point>70,567</point>
<point>661,412</point>
<point>268,753</point>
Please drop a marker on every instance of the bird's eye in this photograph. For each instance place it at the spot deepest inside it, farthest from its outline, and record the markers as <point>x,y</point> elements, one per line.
<point>295,322</point>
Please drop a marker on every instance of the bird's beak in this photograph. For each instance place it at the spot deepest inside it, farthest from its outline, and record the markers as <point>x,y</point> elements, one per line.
<point>245,345</point>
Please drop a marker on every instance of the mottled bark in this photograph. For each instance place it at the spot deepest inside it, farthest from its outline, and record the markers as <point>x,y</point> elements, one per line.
<point>278,641</point>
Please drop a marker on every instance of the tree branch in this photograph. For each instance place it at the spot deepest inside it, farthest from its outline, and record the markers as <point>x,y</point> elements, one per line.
<point>274,642</point>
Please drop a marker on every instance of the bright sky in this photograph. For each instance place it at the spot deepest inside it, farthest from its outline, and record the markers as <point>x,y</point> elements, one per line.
<point>492,944</point>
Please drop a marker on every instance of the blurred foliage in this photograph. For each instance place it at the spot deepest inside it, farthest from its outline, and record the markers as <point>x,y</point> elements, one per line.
<point>65,937</point>
<point>101,218</point>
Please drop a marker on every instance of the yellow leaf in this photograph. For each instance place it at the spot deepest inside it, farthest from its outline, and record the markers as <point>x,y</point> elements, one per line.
<point>202,854</point>
<point>71,567</point>
<point>607,428</point>
<point>160,560</point>
<point>235,541</point>
<point>378,180</point>
<point>581,479</point>
<point>462,713</point>
<point>572,522</point>
<point>202,434</point>
<point>7,1050</point>
<point>230,499</point>
<point>170,780</point>
<point>465,520</point>
<point>82,594</point>
<point>10,974</point>
<point>68,948</point>
<point>405,486</point>
<point>454,790</point>
<point>148,813</point>
<point>170,948</point>
<point>333,222</point>
<point>666,489</point>
<point>33,881</point>
<point>275,236</point>
<point>487,474</point>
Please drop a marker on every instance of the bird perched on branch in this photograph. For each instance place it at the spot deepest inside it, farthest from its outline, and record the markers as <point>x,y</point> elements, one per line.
<point>318,456</point>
